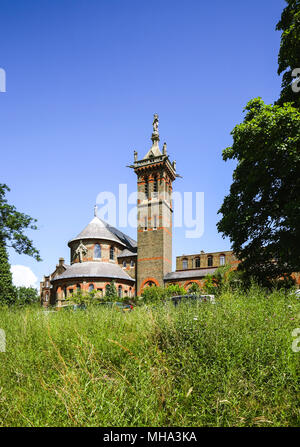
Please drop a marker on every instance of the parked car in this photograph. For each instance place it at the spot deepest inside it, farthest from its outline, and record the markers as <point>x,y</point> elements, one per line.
<point>193,298</point>
<point>123,307</point>
<point>72,307</point>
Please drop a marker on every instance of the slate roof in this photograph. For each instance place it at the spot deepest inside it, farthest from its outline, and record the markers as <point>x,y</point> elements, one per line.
<point>94,269</point>
<point>98,229</point>
<point>186,274</point>
<point>125,253</point>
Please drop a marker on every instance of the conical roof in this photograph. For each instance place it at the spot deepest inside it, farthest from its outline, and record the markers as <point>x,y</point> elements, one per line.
<point>97,229</point>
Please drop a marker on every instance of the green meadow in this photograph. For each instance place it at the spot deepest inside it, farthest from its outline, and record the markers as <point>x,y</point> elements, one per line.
<point>224,364</point>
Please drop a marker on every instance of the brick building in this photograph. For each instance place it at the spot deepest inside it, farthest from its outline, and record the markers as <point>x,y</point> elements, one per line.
<point>101,253</point>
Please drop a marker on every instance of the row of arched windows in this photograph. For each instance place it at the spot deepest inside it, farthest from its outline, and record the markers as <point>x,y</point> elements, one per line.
<point>209,262</point>
<point>131,264</point>
<point>91,288</point>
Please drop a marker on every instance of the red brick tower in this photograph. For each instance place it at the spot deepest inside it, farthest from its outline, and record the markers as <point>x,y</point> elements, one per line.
<point>155,174</point>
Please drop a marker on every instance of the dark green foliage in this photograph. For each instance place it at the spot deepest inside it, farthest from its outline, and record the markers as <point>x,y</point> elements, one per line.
<point>111,290</point>
<point>7,291</point>
<point>289,54</point>
<point>261,214</point>
<point>12,226</point>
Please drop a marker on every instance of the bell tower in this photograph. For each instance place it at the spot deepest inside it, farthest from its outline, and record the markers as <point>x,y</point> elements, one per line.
<point>155,175</point>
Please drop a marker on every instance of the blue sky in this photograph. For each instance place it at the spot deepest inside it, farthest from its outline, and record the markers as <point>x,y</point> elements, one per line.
<point>83,81</point>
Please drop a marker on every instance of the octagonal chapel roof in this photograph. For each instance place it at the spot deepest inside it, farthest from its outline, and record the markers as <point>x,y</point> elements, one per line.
<point>99,229</point>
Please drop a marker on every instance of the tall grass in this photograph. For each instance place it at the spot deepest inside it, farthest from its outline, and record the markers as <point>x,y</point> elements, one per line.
<point>228,364</point>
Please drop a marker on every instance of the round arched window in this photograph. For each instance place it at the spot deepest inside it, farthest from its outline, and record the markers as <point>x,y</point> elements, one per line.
<point>97,251</point>
<point>120,291</point>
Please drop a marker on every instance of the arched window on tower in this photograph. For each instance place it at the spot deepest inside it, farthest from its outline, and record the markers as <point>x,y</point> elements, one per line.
<point>155,188</point>
<point>97,251</point>
<point>209,261</point>
<point>197,263</point>
<point>112,253</point>
<point>146,188</point>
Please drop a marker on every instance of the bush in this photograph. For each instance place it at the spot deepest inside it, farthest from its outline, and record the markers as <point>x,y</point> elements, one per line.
<point>153,294</point>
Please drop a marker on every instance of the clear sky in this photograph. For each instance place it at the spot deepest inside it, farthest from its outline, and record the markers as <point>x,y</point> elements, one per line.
<point>84,78</point>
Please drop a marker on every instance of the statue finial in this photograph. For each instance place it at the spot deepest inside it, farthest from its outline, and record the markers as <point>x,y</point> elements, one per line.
<point>155,134</point>
<point>95,210</point>
<point>155,122</point>
<point>135,155</point>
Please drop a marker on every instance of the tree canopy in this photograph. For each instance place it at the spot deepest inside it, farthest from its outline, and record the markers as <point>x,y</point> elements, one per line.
<point>12,227</point>
<point>261,213</point>
<point>289,53</point>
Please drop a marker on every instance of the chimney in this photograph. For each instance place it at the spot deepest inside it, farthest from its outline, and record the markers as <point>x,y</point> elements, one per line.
<point>61,261</point>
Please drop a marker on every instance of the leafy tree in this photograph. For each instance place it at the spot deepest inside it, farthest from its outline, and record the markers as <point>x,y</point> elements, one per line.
<point>261,213</point>
<point>111,290</point>
<point>12,226</point>
<point>26,295</point>
<point>289,53</point>
<point>7,291</point>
